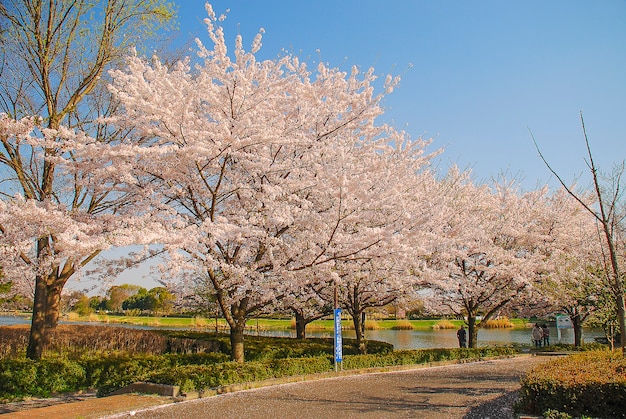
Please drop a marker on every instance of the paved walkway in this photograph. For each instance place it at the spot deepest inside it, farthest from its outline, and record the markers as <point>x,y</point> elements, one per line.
<point>92,408</point>
<point>474,390</point>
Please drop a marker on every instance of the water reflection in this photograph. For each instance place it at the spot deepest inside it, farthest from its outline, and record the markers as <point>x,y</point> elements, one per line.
<point>423,339</point>
<point>406,339</point>
<point>416,339</point>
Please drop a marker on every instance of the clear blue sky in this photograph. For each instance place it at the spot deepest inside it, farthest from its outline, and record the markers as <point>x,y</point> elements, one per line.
<point>483,73</point>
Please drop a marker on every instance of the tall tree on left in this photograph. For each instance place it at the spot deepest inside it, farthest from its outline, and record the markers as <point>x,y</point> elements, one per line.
<point>53,56</point>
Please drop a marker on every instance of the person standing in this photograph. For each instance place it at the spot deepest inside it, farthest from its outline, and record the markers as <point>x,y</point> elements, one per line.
<point>461,334</point>
<point>546,334</point>
<point>537,335</point>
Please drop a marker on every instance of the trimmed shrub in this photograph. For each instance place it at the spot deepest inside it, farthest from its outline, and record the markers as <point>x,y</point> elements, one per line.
<point>567,347</point>
<point>423,356</point>
<point>300,366</point>
<point>21,378</point>
<point>263,348</point>
<point>202,377</point>
<point>110,373</point>
<point>589,383</point>
<point>114,372</point>
<point>196,359</point>
<point>24,377</point>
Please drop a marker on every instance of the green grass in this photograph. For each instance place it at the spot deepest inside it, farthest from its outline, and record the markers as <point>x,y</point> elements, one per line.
<point>266,324</point>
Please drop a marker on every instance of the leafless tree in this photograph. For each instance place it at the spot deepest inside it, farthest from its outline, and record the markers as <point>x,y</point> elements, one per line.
<point>609,216</point>
<point>53,56</point>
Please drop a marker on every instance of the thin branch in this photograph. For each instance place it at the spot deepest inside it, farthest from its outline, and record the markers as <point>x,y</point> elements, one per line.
<point>562,182</point>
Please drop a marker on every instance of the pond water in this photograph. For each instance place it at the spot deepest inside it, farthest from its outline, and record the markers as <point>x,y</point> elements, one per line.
<point>423,339</point>
<point>404,339</point>
<point>11,320</point>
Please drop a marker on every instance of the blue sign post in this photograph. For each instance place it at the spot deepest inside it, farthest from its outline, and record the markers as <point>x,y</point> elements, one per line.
<point>338,343</point>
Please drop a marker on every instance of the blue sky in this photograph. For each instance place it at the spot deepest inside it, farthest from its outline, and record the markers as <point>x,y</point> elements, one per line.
<point>476,75</point>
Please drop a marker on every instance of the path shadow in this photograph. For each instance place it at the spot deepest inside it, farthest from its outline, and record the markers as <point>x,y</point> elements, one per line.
<point>499,408</point>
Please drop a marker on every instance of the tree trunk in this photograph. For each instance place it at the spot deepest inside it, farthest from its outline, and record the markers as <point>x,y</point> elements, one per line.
<point>53,305</point>
<point>472,331</point>
<point>217,326</point>
<point>358,319</point>
<point>237,343</point>
<point>621,317</point>
<point>363,346</point>
<point>300,325</point>
<point>37,335</point>
<point>578,330</point>
<point>235,315</point>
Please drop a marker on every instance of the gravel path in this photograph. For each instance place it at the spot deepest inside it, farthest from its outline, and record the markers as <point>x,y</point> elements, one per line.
<point>485,390</point>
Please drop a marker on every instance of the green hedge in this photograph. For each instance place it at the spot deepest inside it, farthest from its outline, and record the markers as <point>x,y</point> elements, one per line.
<point>193,377</point>
<point>590,383</point>
<point>423,356</point>
<point>25,378</point>
<point>202,377</point>
<point>111,373</point>
<point>262,348</point>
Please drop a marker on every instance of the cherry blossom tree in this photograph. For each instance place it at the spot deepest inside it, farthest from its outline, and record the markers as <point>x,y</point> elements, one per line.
<point>487,256</point>
<point>389,197</point>
<point>271,168</point>
<point>5,289</point>
<point>572,250</point>
<point>44,242</point>
<point>306,302</point>
<point>368,284</point>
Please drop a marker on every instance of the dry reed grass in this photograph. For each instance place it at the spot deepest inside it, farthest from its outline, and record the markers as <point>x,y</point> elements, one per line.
<point>372,325</point>
<point>444,324</point>
<point>403,325</point>
<point>313,326</point>
<point>13,340</point>
<point>199,322</point>
<point>71,316</point>
<point>500,323</point>
<point>77,340</point>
